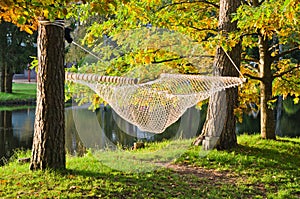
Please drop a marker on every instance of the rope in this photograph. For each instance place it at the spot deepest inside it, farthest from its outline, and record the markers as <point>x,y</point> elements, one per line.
<point>58,22</point>
<point>100,78</point>
<point>82,48</point>
<point>233,63</point>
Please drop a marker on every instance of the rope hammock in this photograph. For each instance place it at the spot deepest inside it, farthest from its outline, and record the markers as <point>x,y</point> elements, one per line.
<point>155,105</point>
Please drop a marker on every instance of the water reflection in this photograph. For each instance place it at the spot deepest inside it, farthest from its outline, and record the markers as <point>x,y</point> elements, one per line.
<point>86,129</point>
<point>288,123</point>
<point>16,129</point>
<point>105,129</point>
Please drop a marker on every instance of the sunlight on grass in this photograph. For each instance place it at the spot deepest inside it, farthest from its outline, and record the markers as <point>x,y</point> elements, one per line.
<point>143,160</point>
<point>20,92</point>
<point>257,168</point>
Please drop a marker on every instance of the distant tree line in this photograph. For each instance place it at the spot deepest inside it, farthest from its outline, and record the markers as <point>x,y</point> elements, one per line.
<point>16,49</point>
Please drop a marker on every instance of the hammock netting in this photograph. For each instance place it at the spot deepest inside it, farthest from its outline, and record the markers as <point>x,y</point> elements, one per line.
<point>155,105</point>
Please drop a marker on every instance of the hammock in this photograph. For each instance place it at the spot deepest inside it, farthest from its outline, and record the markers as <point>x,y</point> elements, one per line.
<point>155,105</point>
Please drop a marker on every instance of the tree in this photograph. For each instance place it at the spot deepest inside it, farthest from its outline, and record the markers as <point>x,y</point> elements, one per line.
<point>220,120</point>
<point>49,128</point>
<point>48,145</point>
<point>271,29</point>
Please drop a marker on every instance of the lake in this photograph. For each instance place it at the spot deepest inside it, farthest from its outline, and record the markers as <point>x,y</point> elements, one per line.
<point>87,129</point>
<point>105,129</point>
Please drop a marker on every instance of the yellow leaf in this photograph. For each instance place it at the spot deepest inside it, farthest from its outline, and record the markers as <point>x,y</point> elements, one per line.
<point>46,13</point>
<point>26,29</point>
<point>147,60</point>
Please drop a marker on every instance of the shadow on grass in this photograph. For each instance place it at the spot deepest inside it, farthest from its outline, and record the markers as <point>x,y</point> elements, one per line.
<point>162,183</point>
<point>266,158</point>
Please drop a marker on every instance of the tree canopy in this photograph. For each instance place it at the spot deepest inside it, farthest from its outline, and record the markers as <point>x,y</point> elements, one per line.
<point>278,21</point>
<point>25,14</point>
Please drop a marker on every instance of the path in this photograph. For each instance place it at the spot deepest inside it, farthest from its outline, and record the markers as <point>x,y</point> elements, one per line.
<point>213,177</point>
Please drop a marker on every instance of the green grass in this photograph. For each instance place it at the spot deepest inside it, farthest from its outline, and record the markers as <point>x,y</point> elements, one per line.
<point>13,108</point>
<point>256,169</point>
<point>265,167</point>
<point>143,160</point>
<point>20,92</point>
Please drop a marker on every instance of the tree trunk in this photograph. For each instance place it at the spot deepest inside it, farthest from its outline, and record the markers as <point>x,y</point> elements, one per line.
<point>219,128</point>
<point>8,77</point>
<point>278,115</point>
<point>2,72</point>
<point>49,129</point>
<point>2,80</point>
<point>267,120</point>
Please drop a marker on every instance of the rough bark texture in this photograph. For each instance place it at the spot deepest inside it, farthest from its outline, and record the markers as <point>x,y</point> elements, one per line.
<point>267,120</point>
<point>219,128</point>
<point>49,129</point>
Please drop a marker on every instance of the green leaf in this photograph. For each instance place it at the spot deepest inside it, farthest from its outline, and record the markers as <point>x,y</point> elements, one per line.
<point>22,20</point>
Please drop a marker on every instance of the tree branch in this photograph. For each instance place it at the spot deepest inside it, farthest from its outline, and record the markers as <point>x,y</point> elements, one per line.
<point>286,72</point>
<point>286,52</point>
<point>248,34</point>
<point>250,60</point>
<point>178,58</point>
<point>253,77</point>
<point>201,29</point>
<point>186,2</point>
<point>166,60</point>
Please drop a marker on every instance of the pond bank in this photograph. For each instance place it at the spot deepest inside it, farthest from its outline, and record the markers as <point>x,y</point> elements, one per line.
<point>19,102</point>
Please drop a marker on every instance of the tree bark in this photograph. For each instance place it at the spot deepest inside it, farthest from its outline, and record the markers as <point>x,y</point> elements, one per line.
<point>48,149</point>
<point>2,72</point>
<point>8,77</point>
<point>278,115</point>
<point>219,127</point>
<point>267,120</point>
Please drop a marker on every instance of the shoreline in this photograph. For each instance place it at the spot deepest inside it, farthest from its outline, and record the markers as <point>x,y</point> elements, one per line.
<point>18,102</point>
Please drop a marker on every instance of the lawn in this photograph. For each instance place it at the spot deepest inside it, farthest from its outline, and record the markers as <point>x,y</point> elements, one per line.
<point>20,92</point>
<point>255,169</point>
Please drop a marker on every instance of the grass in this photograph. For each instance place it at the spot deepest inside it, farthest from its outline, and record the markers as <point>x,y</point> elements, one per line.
<point>255,169</point>
<point>13,108</point>
<point>20,92</point>
<point>265,168</point>
<point>143,160</point>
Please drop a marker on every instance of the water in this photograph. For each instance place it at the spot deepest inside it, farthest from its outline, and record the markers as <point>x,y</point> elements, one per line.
<point>288,123</point>
<point>105,129</point>
<point>86,129</point>
<point>16,128</point>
